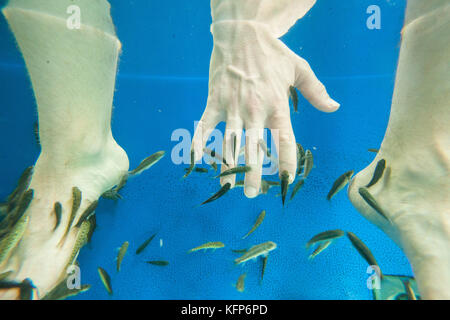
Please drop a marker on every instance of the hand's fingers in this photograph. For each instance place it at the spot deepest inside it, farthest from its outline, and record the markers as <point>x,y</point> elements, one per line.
<point>284,138</point>
<point>254,157</point>
<point>311,88</point>
<point>230,148</point>
<point>207,123</point>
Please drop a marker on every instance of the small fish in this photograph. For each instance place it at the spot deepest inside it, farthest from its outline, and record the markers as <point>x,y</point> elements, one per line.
<point>213,165</point>
<point>9,284</point>
<point>22,207</point>
<point>263,146</point>
<point>147,163</point>
<point>5,275</point>
<point>300,158</point>
<point>294,97</point>
<point>11,218</point>
<point>409,290</point>
<point>201,170</point>
<point>258,222</point>
<point>234,146</point>
<point>365,194</point>
<point>87,213</point>
<point>214,154</point>
<point>235,170</point>
<point>26,290</point>
<point>309,162</point>
<point>92,227</point>
<point>57,209</point>
<point>76,202</point>
<point>122,182</point>
<point>325,236</point>
<point>25,287</point>
<point>161,263</point>
<point>296,188</point>
<point>111,194</point>
<point>373,150</point>
<point>378,173</point>
<point>264,264</point>
<point>362,249</point>
<point>80,241</point>
<point>264,187</point>
<point>25,201</point>
<point>340,183</point>
<point>400,296</point>
<point>256,251</point>
<point>121,254</point>
<point>106,280</point>
<point>240,284</point>
<point>3,207</point>
<point>284,185</point>
<point>36,133</point>
<point>209,245</point>
<point>239,250</point>
<point>322,246</point>
<point>225,188</point>
<point>239,183</point>
<point>191,167</point>
<point>22,186</point>
<point>12,238</point>
<point>61,292</point>
<point>25,178</point>
<point>145,244</point>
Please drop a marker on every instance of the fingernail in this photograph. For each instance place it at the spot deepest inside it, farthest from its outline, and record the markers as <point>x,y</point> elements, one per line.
<point>291,178</point>
<point>333,104</point>
<point>250,192</point>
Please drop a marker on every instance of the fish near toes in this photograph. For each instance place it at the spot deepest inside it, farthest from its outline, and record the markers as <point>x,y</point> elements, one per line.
<point>284,185</point>
<point>147,163</point>
<point>370,200</point>
<point>340,183</point>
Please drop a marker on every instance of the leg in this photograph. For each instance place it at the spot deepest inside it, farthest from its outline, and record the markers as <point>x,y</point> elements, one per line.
<point>414,191</point>
<point>73,76</point>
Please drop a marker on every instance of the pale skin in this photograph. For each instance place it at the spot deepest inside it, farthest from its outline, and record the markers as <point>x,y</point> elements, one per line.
<point>250,74</point>
<point>74,87</point>
<point>414,190</point>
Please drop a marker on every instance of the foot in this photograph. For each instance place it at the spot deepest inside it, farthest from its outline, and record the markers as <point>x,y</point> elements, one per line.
<point>42,255</point>
<point>413,193</point>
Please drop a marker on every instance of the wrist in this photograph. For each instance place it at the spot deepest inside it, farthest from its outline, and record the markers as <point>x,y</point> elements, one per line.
<point>278,15</point>
<point>240,31</point>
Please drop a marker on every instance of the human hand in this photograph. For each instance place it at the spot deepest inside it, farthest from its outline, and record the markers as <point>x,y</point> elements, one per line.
<point>251,72</point>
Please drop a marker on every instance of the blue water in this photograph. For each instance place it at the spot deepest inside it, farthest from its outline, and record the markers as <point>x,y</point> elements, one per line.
<point>162,85</point>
